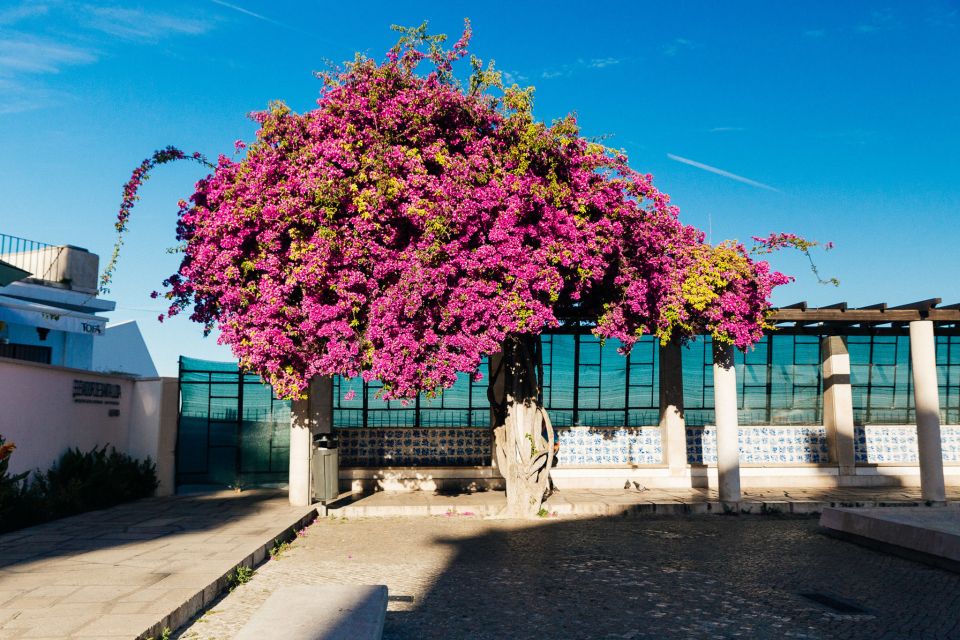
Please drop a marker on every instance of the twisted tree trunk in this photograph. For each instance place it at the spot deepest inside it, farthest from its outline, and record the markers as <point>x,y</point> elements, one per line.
<point>523,433</point>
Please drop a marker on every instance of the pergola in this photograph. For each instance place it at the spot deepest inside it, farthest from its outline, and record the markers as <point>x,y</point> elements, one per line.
<point>919,320</point>
<point>833,322</point>
<point>841,319</point>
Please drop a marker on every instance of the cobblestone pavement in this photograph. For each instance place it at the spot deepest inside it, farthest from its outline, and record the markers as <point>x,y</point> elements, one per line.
<point>708,576</point>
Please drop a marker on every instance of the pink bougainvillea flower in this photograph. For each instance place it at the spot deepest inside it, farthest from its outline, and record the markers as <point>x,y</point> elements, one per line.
<point>405,226</point>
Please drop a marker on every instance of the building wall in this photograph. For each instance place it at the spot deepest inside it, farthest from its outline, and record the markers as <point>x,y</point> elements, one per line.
<point>40,413</point>
<point>122,349</point>
<point>72,350</point>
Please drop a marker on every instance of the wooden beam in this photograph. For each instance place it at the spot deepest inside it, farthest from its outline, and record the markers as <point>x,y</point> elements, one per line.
<point>849,316</point>
<point>920,305</point>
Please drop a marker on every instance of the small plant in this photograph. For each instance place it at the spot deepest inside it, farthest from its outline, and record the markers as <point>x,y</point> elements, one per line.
<point>165,635</point>
<point>240,575</point>
<point>533,447</point>
<point>543,513</point>
<point>278,548</point>
<point>770,509</point>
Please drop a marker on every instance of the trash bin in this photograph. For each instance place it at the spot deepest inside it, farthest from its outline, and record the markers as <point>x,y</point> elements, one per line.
<point>325,468</point>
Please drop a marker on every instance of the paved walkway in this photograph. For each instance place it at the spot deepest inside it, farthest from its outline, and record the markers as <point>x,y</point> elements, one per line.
<point>611,502</point>
<point>133,570</point>
<point>664,577</point>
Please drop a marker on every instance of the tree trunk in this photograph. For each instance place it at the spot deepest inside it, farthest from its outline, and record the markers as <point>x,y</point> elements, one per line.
<point>524,438</point>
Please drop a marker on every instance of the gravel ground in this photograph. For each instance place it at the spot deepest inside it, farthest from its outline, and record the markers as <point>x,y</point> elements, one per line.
<point>655,577</point>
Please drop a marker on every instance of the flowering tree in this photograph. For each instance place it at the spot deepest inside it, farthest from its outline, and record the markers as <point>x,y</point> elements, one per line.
<point>409,226</point>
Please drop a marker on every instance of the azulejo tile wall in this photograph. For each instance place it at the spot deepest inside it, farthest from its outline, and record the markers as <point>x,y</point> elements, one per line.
<point>415,447</point>
<point>591,446</point>
<point>579,446</point>
<point>879,444</point>
<point>762,445</point>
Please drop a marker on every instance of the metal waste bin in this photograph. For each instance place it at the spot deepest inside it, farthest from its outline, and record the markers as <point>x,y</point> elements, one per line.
<point>325,468</point>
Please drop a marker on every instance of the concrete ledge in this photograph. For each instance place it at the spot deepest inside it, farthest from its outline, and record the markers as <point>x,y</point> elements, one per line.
<point>925,534</point>
<point>320,612</point>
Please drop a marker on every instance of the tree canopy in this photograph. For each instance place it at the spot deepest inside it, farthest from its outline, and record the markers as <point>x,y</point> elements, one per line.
<point>405,226</point>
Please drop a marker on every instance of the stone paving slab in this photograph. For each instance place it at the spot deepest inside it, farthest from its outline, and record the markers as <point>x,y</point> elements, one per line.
<point>135,569</point>
<point>933,532</point>
<point>633,501</point>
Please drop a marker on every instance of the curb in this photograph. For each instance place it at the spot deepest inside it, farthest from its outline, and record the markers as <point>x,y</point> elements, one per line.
<point>746,507</point>
<point>207,595</point>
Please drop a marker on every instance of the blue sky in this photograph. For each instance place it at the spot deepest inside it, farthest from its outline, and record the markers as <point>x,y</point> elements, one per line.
<point>838,121</point>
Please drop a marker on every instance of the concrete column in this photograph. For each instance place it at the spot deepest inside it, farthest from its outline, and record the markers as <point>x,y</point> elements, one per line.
<point>310,415</point>
<point>838,403</point>
<point>672,426</point>
<point>923,358</point>
<point>725,404</point>
<point>301,444</point>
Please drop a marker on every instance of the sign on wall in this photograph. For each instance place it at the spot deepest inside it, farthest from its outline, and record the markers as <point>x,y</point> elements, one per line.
<point>90,392</point>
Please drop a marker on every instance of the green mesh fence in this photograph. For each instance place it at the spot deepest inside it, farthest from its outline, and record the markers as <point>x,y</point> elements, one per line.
<point>462,405</point>
<point>233,431</point>
<point>778,382</point>
<point>881,378</point>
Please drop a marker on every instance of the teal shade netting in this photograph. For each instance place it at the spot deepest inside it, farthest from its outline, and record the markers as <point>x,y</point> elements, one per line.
<point>233,431</point>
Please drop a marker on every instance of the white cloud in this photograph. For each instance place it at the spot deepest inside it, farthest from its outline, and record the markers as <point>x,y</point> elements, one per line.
<point>722,172</point>
<point>676,46</point>
<point>724,129</point>
<point>581,64</point>
<point>600,63</point>
<point>24,11</point>
<point>135,24</point>
<point>512,77</point>
<point>30,54</point>
<point>16,97</point>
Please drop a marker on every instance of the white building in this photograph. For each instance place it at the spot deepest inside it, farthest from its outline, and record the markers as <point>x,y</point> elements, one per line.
<point>48,303</point>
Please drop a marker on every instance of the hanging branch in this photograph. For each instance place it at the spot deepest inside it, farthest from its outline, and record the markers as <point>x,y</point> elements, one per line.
<point>776,241</point>
<point>131,195</point>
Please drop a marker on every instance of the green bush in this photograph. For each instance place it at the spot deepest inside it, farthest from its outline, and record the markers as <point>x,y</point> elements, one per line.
<point>96,479</point>
<point>78,482</point>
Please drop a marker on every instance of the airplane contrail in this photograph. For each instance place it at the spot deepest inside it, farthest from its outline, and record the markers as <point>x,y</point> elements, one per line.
<point>721,172</point>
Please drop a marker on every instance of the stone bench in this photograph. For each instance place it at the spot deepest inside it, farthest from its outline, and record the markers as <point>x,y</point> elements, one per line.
<point>320,612</point>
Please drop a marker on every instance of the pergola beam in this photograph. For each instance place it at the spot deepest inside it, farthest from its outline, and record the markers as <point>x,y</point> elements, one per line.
<point>920,305</point>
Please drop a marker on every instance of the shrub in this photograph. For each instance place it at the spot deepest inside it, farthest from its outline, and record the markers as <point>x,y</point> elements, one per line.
<point>97,479</point>
<point>78,482</point>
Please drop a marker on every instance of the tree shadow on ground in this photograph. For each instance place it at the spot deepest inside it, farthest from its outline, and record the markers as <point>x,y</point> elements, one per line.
<point>673,577</point>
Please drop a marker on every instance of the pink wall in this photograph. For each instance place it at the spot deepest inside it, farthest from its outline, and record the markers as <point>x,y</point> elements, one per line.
<point>40,414</point>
